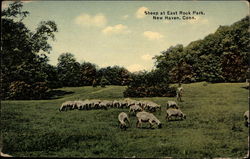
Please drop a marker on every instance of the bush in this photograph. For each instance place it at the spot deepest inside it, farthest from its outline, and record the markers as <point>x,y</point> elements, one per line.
<point>150,91</point>
<point>22,90</point>
<point>19,90</point>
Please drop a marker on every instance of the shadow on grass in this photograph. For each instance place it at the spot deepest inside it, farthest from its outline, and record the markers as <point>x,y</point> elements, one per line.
<point>246,87</point>
<point>174,120</point>
<point>56,94</point>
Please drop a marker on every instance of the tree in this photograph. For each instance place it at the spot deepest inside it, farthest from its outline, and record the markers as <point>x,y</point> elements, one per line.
<point>219,57</point>
<point>23,52</point>
<point>149,84</point>
<point>115,75</point>
<point>88,73</point>
<point>69,70</point>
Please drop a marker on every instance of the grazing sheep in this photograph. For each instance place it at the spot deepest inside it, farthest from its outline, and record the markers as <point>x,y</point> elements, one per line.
<point>108,103</point>
<point>116,104</point>
<point>179,93</point>
<point>68,105</point>
<point>152,107</point>
<point>172,104</point>
<point>175,113</point>
<point>147,117</point>
<point>94,103</point>
<point>82,105</point>
<point>122,118</point>
<point>246,116</point>
<point>135,108</point>
<point>103,105</point>
<point>144,104</point>
<point>123,104</point>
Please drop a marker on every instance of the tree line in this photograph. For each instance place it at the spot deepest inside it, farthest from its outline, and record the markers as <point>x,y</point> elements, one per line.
<point>222,56</point>
<point>25,71</point>
<point>26,74</point>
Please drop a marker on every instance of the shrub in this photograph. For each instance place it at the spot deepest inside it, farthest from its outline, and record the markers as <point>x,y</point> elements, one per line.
<point>22,90</point>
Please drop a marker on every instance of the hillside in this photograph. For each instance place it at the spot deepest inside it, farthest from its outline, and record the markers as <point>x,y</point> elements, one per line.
<point>214,126</point>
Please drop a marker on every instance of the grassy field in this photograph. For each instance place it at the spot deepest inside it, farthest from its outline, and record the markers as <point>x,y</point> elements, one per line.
<point>214,126</point>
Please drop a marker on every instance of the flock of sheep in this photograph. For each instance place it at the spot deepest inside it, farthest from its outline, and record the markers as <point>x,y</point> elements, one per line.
<point>133,105</point>
<point>144,116</point>
<point>142,109</point>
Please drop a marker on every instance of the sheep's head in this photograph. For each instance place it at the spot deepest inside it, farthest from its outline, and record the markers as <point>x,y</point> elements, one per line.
<point>160,125</point>
<point>247,124</point>
<point>184,116</point>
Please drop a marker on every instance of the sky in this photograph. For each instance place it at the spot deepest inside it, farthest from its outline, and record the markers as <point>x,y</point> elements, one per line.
<point>120,33</point>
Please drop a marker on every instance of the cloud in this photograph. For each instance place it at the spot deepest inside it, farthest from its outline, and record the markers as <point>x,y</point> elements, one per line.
<point>135,67</point>
<point>140,12</point>
<point>116,29</point>
<point>84,19</point>
<point>146,57</point>
<point>152,35</point>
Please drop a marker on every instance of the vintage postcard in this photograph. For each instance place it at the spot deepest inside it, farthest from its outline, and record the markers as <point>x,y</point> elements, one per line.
<point>125,79</point>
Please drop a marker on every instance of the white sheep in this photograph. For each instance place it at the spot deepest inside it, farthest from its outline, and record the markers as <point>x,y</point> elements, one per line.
<point>108,103</point>
<point>152,107</point>
<point>68,105</point>
<point>122,118</point>
<point>94,103</point>
<point>175,113</point>
<point>80,105</point>
<point>172,104</point>
<point>103,105</point>
<point>135,108</point>
<point>246,116</point>
<point>123,104</point>
<point>116,104</point>
<point>147,117</point>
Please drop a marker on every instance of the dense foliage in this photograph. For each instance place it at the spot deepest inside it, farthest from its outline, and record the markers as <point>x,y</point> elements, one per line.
<point>219,57</point>
<point>149,84</point>
<point>23,55</point>
<point>25,72</point>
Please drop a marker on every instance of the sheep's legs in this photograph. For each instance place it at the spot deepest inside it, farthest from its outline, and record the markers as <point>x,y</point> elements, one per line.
<point>138,123</point>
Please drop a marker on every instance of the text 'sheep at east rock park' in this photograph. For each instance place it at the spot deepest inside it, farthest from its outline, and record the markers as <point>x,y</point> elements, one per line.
<point>174,15</point>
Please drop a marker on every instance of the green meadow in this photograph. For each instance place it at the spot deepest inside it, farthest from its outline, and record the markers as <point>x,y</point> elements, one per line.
<point>214,126</point>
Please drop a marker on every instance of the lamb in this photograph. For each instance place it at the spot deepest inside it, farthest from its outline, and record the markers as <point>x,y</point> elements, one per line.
<point>122,118</point>
<point>135,108</point>
<point>246,116</point>
<point>176,113</point>
<point>147,117</point>
<point>172,104</point>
